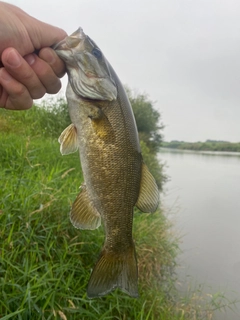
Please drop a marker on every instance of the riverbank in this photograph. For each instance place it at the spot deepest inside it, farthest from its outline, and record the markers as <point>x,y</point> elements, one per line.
<point>45,262</point>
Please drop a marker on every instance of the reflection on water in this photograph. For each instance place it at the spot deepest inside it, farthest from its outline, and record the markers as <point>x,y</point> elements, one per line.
<point>205,186</point>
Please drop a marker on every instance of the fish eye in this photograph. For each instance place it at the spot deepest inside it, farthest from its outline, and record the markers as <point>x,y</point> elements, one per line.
<point>97,53</point>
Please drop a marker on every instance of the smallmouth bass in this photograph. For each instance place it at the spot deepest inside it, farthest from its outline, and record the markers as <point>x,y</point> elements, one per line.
<point>115,177</point>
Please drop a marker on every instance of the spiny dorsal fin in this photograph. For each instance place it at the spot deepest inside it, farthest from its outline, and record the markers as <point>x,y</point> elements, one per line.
<point>68,140</point>
<point>148,198</point>
<point>83,214</point>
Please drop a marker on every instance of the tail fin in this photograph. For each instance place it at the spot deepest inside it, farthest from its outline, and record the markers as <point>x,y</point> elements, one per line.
<point>114,270</point>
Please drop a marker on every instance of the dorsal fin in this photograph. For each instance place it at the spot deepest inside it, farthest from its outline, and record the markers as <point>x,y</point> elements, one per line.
<point>148,198</point>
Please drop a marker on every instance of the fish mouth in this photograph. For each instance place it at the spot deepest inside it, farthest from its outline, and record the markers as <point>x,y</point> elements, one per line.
<point>70,41</point>
<point>89,74</point>
<point>60,45</point>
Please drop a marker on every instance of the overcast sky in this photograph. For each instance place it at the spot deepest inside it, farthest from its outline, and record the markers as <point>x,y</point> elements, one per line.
<point>185,54</point>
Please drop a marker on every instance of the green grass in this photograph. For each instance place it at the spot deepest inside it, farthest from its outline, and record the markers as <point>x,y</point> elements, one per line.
<point>45,263</point>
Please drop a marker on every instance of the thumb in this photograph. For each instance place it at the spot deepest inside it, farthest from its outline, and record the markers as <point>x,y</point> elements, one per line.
<point>44,35</point>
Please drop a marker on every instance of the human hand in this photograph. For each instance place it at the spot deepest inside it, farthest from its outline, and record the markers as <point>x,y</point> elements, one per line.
<point>25,75</point>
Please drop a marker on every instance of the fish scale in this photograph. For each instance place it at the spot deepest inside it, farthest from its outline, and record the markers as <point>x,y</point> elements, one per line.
<point>115,177</point>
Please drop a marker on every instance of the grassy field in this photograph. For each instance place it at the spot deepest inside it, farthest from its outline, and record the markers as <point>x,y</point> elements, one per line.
<point>45,263</point>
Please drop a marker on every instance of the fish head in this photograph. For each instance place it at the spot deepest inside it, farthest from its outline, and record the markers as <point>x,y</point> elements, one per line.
<point>88,70</point>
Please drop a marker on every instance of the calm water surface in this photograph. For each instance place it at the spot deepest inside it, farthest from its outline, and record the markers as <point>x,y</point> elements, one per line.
<point>204,194</point>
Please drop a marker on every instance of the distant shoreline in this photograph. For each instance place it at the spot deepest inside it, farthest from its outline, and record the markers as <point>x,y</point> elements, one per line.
<point>209,145</point>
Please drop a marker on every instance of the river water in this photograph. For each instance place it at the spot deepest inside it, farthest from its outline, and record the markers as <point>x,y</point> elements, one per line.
<point>203,195</point>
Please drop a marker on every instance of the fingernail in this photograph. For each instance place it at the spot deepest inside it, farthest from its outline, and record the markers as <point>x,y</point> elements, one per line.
<point>30,58</point>
<point>13,58</point>
<point>5,75</point>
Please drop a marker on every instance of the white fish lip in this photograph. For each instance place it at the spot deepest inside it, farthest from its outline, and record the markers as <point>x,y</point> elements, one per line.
<point>60,45</point>
<point>70,41</point>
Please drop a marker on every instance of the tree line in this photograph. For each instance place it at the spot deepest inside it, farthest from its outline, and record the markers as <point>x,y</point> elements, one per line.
<point>208,145</point>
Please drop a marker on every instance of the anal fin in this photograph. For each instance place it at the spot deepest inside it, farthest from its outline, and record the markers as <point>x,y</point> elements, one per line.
<point>83,214</point>
<point>148,199</point>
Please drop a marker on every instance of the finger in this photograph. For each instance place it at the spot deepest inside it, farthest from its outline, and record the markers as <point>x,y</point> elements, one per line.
<point>3,96</point>
<point>44,73</point>
<point>50,56</point>
<point>13,94</point>
<point>19,69</point>
<point>43,34</point>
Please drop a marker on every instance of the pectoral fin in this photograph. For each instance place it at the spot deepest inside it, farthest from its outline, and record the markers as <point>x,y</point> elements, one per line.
<point>68,140</point>
<point>148,198</point>
<point>101,125</point>
<point>83,214</point>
